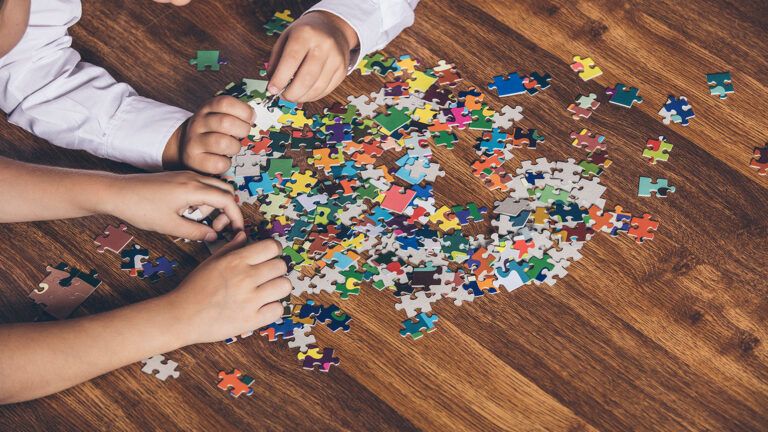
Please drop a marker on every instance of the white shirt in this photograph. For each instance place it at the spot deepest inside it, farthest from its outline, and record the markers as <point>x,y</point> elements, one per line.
<point>46,89</point>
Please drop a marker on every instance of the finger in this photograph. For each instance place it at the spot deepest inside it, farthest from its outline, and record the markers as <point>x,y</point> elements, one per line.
<point>210,163</point>
<point>257,253</point>
<point>221,184</point>
<point>268,314</point>
<point>192,230</point>
<point>274,290</point>
<point>320,83</point>
<point>220,222</point>
<point>289,61</point>
<point>268,270</point>
<point>237,242</point>
<point>277,52</point>
<point>338,77</point>
<point>229,105</point>
<point>305,78</point>
<point>225,201</point>
<point>227,124</point>
<point>218,143</point>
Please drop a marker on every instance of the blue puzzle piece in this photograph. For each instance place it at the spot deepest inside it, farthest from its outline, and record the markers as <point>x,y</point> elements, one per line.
<point>343,261</point>
<point>509,86</point>
<point>261,185</point>
<point>379,213</point>
<point>409,242</point>
<point>423,323</point>
<point>163,268</point>
<point>496,140</point>
<point>424,192</point>
<point>678,110</point>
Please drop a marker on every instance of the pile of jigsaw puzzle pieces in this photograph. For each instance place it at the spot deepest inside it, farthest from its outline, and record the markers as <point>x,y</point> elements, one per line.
<point>349,222</point>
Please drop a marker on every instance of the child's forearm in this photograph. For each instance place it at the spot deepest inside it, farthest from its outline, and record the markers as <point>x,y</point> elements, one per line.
<point>39,359</point>
<point>34,192</point>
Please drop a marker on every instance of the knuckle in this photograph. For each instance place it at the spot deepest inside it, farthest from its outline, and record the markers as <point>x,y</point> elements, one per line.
<point>220,103</point>
<point>285,286</point>
<point>221,165</point>
<point>223,144</point>
<point>272,311</point>
<point>226,122</point>
<point>278,247</point>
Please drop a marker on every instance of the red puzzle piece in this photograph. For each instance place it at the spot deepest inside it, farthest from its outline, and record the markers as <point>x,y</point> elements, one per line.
<point>237,382</point>
<point>642,227</point>
<point>114,239</point>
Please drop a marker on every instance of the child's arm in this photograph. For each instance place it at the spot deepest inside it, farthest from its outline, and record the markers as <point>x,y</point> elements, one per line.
<point>46,89</point>
<point>313,54</point>
<point>148,201</point>
<point>235,291</point>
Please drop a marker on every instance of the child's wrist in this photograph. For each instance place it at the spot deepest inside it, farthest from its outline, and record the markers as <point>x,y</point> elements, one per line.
<point>172,150</point>
<point>106,186</point>
<point>349,33</point>
<point>179,319</point>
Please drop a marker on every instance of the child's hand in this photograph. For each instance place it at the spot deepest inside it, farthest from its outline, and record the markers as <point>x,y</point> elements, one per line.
<point>233,292</point>
<point>156,201</point>
<point>208,140</point>
<point>313,55</point>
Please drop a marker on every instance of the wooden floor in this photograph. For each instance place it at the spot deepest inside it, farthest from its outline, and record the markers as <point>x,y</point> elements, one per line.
<point>668,335</point>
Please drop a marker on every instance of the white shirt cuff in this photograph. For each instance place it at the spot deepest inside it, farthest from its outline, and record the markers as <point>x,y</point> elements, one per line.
<point>141,129</point>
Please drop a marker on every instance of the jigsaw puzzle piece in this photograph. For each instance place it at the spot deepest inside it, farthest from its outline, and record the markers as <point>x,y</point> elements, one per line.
<point>114,239</point>
<point>586,67</point>
<point>164,368</point>
<point>647,187</point>
<point>237,383</point>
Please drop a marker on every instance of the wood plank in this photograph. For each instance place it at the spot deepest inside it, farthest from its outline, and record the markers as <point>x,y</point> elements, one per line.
<point>668,335</point>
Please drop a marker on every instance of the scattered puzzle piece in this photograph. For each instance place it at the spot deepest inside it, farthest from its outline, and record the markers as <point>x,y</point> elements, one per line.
<point>586,67</point>
<point>720,84</point>
<point>237,383</point>
<point>163,368</point>
<point>623,95</point>
<point>759,160</point>
<point>647,186</point>
<point>209,60</point>
<point>657,150</point>
<point>64,289</point>
<point>113,239</point>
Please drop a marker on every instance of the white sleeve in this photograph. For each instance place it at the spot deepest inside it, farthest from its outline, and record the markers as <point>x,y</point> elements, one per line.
<point>47,90</point>
<point>376,22</point>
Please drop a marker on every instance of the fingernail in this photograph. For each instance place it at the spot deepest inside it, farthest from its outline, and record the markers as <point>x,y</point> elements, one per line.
<point>211,236</point>
<point>253,118</point>
<point>272,89</point>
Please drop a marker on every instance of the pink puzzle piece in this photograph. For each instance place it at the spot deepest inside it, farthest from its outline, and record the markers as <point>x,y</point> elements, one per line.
<point>62,291</point>
<point>114,239</point>
<point>397,199</point>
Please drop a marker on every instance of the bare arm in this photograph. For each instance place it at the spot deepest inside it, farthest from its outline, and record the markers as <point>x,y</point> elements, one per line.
<point>43,358</point>
<point>235,291</point>
<point>34,192</point>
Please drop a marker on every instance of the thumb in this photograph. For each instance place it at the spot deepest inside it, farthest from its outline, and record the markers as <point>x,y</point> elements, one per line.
<point>237,242</point>
<point>191,230</point>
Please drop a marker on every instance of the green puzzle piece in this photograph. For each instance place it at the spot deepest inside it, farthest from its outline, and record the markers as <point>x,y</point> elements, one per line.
<point>393,119</point>
<point>661,186</point>
<point>207,60</point>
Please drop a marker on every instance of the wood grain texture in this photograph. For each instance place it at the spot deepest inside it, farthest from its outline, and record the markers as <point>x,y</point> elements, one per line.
<point>668,335</point>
